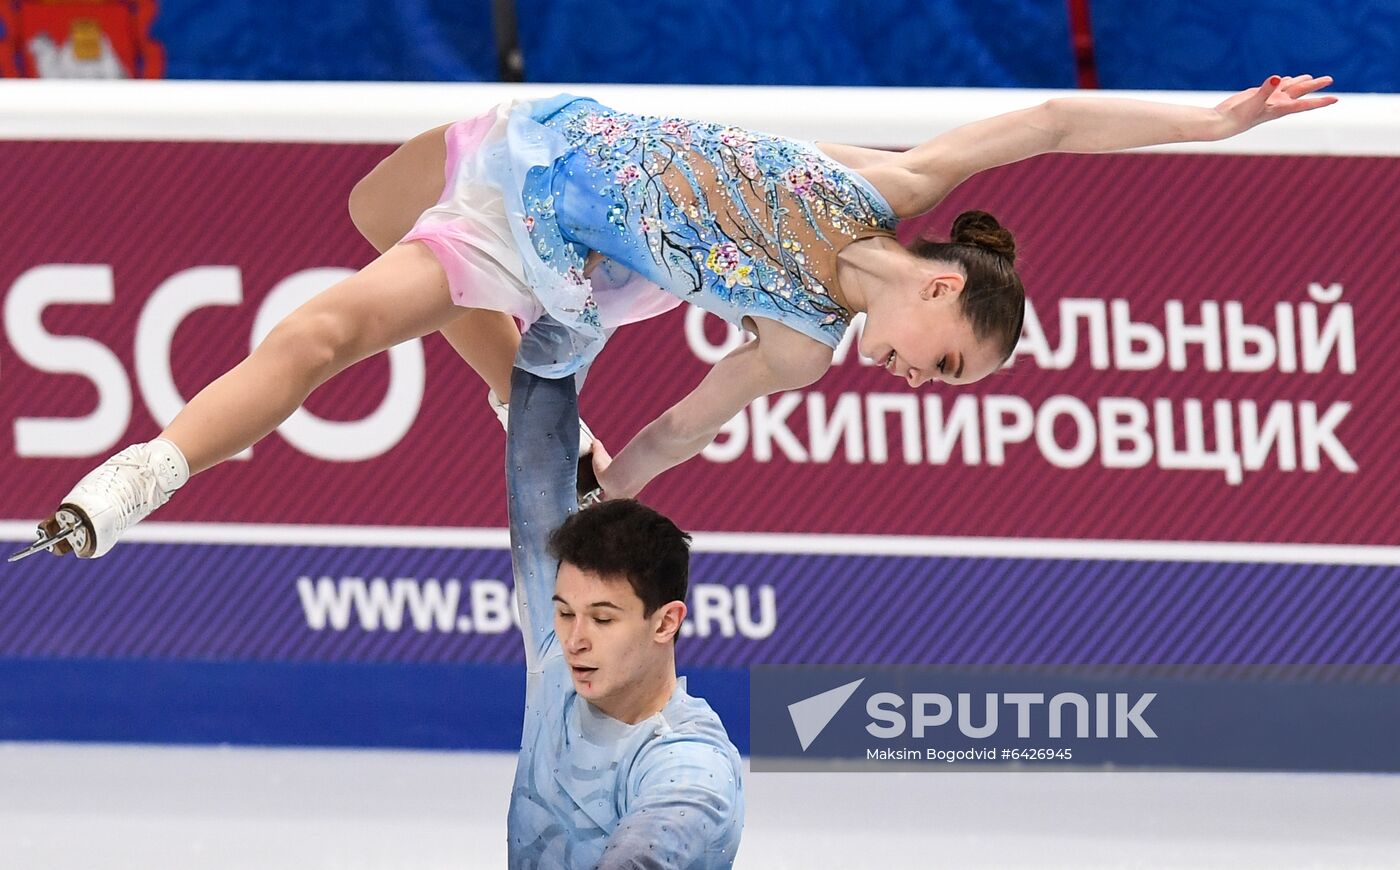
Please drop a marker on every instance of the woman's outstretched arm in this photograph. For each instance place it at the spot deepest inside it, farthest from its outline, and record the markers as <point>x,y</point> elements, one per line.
<point>1089,125</point>
<point>779,360</point>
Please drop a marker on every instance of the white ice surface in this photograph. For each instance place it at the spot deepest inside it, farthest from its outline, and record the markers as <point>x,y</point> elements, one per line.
<point>107,806</point>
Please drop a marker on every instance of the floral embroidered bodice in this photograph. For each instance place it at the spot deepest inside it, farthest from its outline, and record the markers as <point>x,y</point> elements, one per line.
<point>737,222</point>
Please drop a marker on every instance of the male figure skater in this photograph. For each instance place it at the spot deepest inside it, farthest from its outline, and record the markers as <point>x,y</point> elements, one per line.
<point>619,767</point>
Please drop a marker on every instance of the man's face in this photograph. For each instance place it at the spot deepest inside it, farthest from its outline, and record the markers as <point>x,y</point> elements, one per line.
<point>610,646</point>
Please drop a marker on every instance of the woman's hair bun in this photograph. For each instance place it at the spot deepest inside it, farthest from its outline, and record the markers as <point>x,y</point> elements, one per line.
<point>979,229</point>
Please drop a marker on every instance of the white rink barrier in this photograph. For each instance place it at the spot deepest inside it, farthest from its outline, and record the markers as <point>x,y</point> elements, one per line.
<point>1359,124</point>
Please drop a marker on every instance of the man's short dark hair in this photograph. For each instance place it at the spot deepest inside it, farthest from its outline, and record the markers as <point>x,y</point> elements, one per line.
<point>625,538</point>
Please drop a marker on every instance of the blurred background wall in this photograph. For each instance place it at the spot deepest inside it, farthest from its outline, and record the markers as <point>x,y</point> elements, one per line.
<point>1172,44</point>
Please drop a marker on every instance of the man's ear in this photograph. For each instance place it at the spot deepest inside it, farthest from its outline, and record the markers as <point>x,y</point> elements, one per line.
<point>668,626</point>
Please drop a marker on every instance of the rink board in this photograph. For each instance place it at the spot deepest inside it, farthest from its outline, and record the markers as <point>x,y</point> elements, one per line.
<point>229,643</point>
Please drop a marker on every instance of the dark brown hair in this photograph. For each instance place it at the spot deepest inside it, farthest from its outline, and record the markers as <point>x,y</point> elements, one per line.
<point>992,299</point>
<point>625,538</point>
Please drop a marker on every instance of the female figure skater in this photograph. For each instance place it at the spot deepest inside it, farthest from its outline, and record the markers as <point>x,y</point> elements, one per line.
<point>573,219</point>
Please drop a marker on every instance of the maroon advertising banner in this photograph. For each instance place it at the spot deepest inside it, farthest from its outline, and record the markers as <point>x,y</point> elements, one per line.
<point>1211,356</point>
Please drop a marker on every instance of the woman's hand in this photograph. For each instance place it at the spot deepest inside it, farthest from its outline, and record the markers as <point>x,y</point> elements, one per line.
<point>1276,97</point>
<point>601,460</point>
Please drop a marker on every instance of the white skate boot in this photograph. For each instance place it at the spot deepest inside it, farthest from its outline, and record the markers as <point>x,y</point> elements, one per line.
<point>587,481</point>
<point>111,498</point>
<point>502,409</point>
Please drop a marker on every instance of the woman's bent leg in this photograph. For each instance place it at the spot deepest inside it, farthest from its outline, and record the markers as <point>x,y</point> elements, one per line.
<point>487,341</point>
<point>400,295</point>
<point>385,203</point>
<point>384,206</point>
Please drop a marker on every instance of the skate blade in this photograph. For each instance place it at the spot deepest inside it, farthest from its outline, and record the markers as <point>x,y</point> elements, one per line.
<point>68,527</point>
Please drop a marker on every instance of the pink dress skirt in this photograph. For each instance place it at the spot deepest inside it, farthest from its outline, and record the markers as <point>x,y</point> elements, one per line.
<point>470,232</point>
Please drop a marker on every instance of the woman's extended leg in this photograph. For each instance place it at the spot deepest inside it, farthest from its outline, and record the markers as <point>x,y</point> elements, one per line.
<point>403,294</point>
<point>400,295</point>
<point>384,206</point>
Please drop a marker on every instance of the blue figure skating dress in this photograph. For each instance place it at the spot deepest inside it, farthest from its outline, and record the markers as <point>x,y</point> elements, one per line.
<point>739,223</point>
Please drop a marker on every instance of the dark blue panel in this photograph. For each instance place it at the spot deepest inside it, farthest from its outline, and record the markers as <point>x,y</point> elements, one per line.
<point>422,706</point>
<point>1219,723</point>
<point>822,42</point>
<point>382,40</point>
<point>215,642</point>
<point>232,602</point>
<point>1213,46</point>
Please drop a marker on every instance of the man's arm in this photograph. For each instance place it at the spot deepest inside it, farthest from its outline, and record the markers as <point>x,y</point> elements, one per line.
<point>1086,125</point>
<point>541,468</point>
<point>685,800</point>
